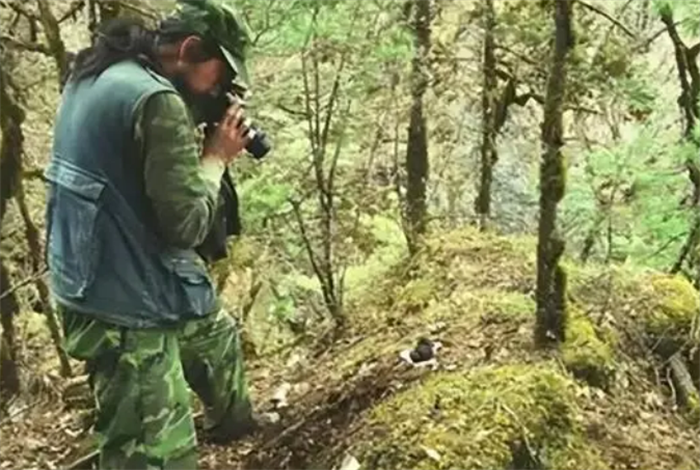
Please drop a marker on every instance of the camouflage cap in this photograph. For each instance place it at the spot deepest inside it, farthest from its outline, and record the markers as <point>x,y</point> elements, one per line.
<point>220,22</point>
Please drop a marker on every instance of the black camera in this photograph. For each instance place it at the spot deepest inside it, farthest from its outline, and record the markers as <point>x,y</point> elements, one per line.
<point>211,109</point>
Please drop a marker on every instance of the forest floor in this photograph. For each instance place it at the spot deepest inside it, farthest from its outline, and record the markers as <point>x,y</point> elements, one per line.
<point>489,401</point>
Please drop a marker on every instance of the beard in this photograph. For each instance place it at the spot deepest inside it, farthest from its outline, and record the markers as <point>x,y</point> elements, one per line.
<point>200,104</point>
<point>181,86</point>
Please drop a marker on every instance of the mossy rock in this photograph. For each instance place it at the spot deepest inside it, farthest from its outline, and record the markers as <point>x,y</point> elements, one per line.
<point>672,313</point>
<point>586,355</point>
<point>678,304</point>
<point>514,416</point>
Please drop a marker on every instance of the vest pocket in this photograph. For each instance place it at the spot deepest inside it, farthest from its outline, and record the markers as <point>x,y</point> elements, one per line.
<point>73,241</point>
<point>195,291</point>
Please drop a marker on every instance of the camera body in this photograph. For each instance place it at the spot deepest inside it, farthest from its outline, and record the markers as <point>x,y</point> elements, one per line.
<point>211,109</point>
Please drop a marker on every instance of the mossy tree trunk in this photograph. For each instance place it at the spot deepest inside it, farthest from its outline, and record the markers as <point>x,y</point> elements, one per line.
<point>417,167</point>
<point>551,278</point>
<point>55,49</point>
<point>488,123</point>
<point>11,118</point>
<point>689,79</point>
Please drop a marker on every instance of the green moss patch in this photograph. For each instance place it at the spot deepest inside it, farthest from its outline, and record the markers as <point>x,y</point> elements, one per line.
<point>515,416</point>
<point>662,309</point>
<point>506,307</point>
<point>586,355</point>
<point>676,306</point>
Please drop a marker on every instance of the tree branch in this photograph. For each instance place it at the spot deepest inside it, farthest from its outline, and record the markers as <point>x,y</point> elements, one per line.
<point>293,112</point>
<point>76,6</point>
<point>683,66</point>
<point>607,16</point>
<point>313,258</point>
<point>26,46</point>
<point>52,31</point>
<point>23,283</point>
<point>19,8</point>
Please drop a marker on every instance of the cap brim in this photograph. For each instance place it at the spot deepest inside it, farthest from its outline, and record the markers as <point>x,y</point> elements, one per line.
<point>238,67</point>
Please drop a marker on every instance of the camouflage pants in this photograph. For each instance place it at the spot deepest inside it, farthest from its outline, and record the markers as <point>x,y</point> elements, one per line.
<point>140,380</point>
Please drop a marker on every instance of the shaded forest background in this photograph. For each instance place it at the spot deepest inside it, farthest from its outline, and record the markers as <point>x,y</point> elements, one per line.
<point>397,124</point>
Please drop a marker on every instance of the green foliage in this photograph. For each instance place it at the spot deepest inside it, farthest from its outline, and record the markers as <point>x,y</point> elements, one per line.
<point>624,189</point>
<point>685,11</point>
<point>631,191</point>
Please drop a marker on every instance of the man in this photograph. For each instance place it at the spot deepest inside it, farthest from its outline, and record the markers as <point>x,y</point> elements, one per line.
<point>132,193</point>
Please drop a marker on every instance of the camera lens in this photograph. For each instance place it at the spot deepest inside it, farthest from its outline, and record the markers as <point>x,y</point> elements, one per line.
<point>259,144</point>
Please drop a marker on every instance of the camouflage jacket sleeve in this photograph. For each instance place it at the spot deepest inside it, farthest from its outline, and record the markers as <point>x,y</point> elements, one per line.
<point>183,189</point>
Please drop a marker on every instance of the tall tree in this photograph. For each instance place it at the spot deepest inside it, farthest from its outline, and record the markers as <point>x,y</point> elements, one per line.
<point>54,48</point>
<point>551,277</point>
<point>417,167</point>
<point>488,123</point>
<point>689,102</point>
<point>11,117</point>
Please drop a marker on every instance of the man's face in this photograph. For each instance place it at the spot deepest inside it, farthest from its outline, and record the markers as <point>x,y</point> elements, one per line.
<point>199,77</point>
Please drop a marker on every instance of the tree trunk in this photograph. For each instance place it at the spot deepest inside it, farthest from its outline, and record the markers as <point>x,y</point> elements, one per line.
<point>417,150</point>
<point>52,31</point>
<point>551,278</point>
<point>320,117</point>
<point>488,144</point>
<point>35,253</point>
<point>689,79</point>
<point>9,376</point>
<point>57,50</point>
<point>11,117</point>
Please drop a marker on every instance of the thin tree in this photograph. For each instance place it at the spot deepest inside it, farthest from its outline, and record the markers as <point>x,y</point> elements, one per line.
<point>417,168</point>
<point>551,277</point>
<point>11,117</point>
<point>689,80</point>
<point>54,48</point>
<point>488,122</point>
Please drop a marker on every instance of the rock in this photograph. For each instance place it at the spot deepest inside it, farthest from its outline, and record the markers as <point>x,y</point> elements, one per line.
<point>349,463</point>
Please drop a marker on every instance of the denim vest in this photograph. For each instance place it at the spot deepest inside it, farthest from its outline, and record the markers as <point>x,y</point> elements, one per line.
<point>104,255</point>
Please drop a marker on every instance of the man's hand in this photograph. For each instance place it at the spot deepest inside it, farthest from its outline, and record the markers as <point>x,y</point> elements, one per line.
<point>229,138</point>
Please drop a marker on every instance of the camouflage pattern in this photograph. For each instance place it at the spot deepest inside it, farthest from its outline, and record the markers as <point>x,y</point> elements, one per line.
<point>210,350</point>
<point>182,188</point>
<point>219,21</point>
<point>140,382</point>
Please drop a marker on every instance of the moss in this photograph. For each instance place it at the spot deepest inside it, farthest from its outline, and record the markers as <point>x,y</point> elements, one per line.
<point>672,311</point>
<point>693,408</point>
<point>677,305</point>
<point>491,417</point>
<point>501,307</point>
<point>585,354</point>
<point>418,293</point>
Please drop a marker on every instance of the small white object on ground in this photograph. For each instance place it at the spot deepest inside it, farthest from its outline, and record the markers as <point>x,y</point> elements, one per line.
<point>271,417</point>
<point>432,453</point>
<point>349,463</point>
<point>434,347</point>
<point>279,399</point>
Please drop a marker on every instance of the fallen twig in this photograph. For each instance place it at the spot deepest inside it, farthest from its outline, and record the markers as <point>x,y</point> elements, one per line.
<point>24,283</point>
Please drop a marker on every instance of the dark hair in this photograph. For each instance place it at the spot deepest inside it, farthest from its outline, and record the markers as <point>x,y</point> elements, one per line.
<point>129,39</point>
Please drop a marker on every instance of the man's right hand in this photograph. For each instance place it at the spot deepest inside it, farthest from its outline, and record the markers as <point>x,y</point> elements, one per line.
<point>229,138</point>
